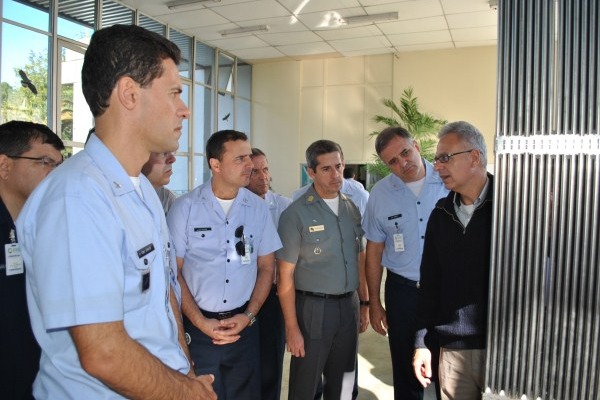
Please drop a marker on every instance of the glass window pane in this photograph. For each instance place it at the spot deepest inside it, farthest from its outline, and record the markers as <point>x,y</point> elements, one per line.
<point>75,118</point>
<point>201,171</point>
<point>244,80</point>
<point>205,59</point>
<point>203,117</point>
<point>34,15</point>
<point>225,111</point>
<point>184,139</point>
<point>153,25</point>
<point>76,19</point>
<point>114,13</point>
<point>242,116</point>
<point>225,77</point>
<point>184,42</point>
<point>179,179</point>
<point>24,75</point>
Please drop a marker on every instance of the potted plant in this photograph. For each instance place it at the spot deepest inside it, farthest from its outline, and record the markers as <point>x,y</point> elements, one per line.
<point>422,126</point>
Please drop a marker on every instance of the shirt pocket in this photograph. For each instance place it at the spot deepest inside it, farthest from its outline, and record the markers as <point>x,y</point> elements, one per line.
<point>140,278</point>
<point>392,224</point>
<point>204,241</point>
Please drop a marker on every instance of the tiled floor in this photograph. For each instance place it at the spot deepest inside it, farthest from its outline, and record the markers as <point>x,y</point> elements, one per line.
<point>374,368</point>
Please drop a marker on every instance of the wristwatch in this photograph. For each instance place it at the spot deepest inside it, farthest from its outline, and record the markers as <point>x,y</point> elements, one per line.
<point>252,317</point>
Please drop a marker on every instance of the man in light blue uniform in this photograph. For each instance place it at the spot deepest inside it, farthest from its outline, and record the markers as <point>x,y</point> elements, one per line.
<point>272,331</point>
<point>352,189</point>
<point>101,285</point>
<point>224,240</point>
<point>394,224</point>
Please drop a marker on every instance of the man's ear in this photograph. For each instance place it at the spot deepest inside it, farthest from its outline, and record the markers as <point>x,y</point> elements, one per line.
<point>6,164</point>
<point>311,172</point>
<point>476,157</point>
<point>215,165</point>
<point>127,92</point>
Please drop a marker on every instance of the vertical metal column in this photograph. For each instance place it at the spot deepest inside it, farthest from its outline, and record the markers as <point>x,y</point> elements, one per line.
<point>544,311</point>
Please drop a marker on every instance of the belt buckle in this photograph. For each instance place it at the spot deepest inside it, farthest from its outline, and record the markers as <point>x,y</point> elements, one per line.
<point>223,315</point>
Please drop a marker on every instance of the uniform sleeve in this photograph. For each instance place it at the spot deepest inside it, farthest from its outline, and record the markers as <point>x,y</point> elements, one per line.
<point>373,230</point>
<point>75,244</point>
<point>270,239</point>
<point>290,232</point>
<point>177,221</point>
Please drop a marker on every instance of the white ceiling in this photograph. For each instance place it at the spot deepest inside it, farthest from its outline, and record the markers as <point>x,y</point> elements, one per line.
<point>296,27</point>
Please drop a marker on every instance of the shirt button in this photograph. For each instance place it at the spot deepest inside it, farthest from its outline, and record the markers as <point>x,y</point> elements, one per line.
<point>145,261</point>
<point>228,241</point>
<point>228,260</point>
<point>422,237</point>
<point>421,219</point>
<point>418,202</point>
<point>202,235</point>
<point>226,280</point>
<point>224,301</point>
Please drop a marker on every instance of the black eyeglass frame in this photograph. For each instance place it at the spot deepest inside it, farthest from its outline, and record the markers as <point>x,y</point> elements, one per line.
<point>444,158</point>
<point>47,161</point>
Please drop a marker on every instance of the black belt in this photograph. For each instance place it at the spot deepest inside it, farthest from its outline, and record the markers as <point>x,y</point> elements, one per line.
<point>402,280</point>
<point>325,295</point>
<point>224,314</point>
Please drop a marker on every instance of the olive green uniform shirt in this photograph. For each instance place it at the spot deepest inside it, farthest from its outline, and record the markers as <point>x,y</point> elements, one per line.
<point>324,247</point>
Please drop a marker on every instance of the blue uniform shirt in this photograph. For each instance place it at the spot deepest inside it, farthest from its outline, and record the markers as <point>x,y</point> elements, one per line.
<point>277,203</point>
<point>353,190</point>
<point>204,237</point>
<point>96,252</point>
<point>393,209</point>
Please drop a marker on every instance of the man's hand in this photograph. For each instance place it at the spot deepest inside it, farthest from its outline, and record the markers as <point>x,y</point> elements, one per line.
<point>204,387</point>
<point>422,366</point>
<point>295,341</point>
<point>378,318</point>
<point>221,332</point>
<point>364,319</point>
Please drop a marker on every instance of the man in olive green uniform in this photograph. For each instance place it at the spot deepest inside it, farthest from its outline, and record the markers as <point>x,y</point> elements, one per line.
<point>319,276</point>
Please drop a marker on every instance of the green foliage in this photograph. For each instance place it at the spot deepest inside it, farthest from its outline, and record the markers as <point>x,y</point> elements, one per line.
<point>423,127</point>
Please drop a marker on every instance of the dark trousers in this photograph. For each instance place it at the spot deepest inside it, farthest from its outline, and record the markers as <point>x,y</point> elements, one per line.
<point>401,305</point>
<point>330,331</point>
<point>272,347</point>
<point>236,366</point>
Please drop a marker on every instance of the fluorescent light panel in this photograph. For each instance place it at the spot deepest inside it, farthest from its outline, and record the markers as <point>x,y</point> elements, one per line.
<point>245,29</point>
<point>361,19</point>
<point>183,3</point>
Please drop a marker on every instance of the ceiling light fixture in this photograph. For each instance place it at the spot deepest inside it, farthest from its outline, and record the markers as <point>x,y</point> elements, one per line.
<point>183,3</point>
<point>362,19</point>
<point>245,29</point>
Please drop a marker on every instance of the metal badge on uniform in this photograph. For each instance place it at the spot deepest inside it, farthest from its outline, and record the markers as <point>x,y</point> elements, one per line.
<point>316,228</point>
<point>203,229</point>
<point>147,249</point>
<point>391,217</point>
<point>317,250</point>
<point>14,261</point>
<point>398,242</point>
<point>145,281</point>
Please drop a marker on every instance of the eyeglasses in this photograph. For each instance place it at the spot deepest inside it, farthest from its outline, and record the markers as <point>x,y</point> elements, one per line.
<point>240,247</point>
<point>444,158</point>
<point>45,160</point>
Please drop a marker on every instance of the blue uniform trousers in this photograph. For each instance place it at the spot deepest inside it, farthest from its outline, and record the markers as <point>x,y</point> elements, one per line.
<point>236,366</point>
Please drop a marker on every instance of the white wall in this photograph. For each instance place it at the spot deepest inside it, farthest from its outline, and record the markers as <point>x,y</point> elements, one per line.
<point>298,102</point>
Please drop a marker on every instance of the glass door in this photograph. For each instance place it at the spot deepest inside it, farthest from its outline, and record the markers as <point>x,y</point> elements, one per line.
<point>74,118</point>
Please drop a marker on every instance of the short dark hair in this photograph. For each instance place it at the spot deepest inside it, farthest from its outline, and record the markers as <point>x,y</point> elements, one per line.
<point>118,51</point>
<point>216,143</point>
<point>385,137</point>
<point>349,173</point>
<point>16,137</point>
<point>469,134</point>
<point>321,147</point>
<point>258,152</point>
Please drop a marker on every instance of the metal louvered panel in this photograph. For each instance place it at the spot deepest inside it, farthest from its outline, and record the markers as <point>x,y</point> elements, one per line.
<point>544,313</point>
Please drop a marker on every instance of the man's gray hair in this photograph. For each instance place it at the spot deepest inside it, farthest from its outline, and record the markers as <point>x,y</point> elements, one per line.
<point>468,134</point>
